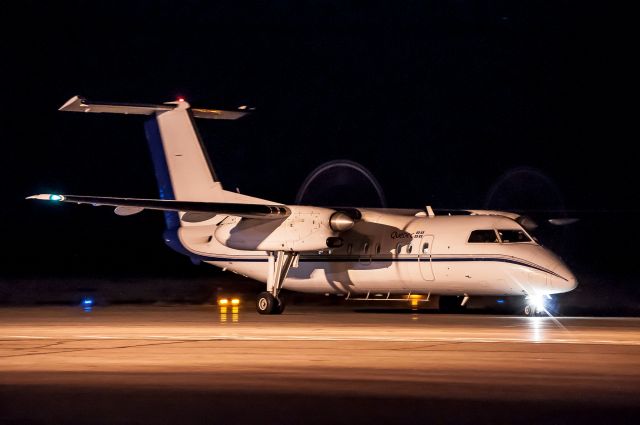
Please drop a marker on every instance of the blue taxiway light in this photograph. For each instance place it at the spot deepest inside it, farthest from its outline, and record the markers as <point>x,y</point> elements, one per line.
<point>500,301</point>
<point>55,197</point>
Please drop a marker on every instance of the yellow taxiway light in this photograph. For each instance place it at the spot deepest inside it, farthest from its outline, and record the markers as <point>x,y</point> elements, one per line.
<point>414,300</point>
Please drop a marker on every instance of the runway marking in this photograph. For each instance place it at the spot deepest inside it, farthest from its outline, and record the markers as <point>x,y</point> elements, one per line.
<point>329,339</point>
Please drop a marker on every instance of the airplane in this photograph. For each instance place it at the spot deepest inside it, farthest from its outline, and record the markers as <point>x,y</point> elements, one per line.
<point>358,253</point>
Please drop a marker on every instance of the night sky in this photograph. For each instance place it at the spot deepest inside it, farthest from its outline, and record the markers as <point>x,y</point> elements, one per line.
<point>438,101</point>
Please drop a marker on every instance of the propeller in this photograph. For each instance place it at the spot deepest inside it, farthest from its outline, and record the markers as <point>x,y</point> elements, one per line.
<point>537,200</point>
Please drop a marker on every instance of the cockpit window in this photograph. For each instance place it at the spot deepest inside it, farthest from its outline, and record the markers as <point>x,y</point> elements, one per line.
<point>513,236</point>
<point>483,236</point>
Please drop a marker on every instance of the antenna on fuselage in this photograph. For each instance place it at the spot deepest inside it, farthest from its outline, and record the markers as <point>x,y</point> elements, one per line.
<point>430,212</point>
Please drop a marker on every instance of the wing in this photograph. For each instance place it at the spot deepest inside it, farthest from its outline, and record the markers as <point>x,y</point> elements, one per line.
<point>194,211</point>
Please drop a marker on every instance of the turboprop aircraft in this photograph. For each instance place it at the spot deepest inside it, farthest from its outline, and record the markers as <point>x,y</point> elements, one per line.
<point>360,253</point>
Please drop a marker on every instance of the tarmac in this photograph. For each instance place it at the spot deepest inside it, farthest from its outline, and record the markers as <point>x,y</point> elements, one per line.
<point>313,365</point>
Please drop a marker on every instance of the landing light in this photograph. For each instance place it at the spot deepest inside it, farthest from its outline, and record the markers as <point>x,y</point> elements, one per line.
<point>538,301</point>
<point>235,301</point>
<point>223,301</point>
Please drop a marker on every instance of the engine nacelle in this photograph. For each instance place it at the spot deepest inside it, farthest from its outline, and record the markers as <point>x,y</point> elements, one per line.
<point>306,229</point>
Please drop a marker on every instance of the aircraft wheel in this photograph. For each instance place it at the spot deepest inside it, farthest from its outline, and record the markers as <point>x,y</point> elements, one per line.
<point>528,310</point>
<point>268,304</point>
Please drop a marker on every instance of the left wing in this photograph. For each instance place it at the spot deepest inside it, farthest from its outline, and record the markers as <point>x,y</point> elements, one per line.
<point>195,211</point>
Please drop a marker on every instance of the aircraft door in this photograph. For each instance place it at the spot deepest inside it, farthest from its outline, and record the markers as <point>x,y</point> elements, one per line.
<point>424,257</point>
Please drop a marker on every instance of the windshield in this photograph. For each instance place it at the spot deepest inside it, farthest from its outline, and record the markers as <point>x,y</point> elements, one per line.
<point>513,236</point>
<point>499,236</point>
<point>483,236</point>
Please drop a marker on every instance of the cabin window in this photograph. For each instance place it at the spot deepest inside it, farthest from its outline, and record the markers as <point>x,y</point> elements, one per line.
<point>425,248</point>
<point>513,236</point>
<point>377,249</point>
<point>483,236</point>
<point>399,248</point>
<point>409,249</point>
<point>365,248</point>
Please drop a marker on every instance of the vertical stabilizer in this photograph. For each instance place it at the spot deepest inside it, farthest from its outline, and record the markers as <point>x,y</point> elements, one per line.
<point>181,163</point>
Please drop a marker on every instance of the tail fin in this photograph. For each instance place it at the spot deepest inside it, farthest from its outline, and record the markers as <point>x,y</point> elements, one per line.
<point>182,166</point>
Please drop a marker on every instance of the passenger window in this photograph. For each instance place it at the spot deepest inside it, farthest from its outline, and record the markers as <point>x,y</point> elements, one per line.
<point>483,236</point>
<point>513,236</point>
<point>425,248</point>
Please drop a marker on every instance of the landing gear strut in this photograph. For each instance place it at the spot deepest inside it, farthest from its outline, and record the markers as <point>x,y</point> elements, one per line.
<point>279,264</point>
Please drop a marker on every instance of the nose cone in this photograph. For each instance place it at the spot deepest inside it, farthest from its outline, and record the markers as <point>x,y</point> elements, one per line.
<point>563,280</point>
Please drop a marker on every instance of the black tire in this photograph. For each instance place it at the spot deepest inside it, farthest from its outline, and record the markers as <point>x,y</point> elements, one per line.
<point>268,304</point>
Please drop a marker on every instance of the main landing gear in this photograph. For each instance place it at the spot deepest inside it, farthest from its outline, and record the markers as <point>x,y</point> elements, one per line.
<point>279,264</point>
<point>268,304</point>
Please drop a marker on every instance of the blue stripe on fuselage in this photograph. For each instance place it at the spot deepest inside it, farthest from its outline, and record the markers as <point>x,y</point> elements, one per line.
<point>378,260</point>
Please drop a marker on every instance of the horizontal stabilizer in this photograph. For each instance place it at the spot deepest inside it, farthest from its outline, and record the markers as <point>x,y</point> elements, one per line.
<point>80,104</point>
<point>196,211</point>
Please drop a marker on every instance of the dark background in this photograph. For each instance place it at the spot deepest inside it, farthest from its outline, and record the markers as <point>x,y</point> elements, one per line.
<point>438,100</point>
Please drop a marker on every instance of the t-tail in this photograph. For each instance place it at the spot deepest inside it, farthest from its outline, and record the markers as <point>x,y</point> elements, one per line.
<point>183,169</point>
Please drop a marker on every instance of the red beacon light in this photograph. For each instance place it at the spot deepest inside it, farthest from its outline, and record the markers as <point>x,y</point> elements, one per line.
<point>181,99</point>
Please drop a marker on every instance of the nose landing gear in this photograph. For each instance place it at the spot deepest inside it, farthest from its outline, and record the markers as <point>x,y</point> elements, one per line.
<point>535,305</point>
<point>531,310</point>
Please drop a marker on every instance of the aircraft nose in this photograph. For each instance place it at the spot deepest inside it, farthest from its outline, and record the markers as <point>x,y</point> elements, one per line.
<point>564,279</point>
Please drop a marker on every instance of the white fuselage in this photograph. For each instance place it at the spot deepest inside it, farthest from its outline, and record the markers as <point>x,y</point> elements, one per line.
<point>400,254</point>
<point>351,251</point>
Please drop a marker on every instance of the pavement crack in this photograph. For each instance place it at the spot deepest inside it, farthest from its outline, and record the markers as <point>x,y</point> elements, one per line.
<point>73,350</point>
